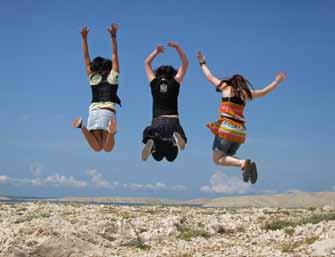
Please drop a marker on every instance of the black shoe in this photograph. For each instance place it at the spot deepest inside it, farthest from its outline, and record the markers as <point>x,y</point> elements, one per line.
<point>246,172</point>
<point>253,173</point>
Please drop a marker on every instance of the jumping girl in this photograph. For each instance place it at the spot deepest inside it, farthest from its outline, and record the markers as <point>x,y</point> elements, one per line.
<point>230,130</point>
<point>165,136</point>
<point>103,76</point>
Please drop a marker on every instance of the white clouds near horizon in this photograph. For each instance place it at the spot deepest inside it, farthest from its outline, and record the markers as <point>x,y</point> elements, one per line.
<point>222,183</point>
<point>96,180</point>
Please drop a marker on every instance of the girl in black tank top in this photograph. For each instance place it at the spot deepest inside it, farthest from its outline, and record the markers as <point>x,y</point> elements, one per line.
<point>165,136</point>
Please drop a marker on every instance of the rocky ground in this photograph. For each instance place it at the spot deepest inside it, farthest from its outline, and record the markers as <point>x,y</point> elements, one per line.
<point>43,229</point>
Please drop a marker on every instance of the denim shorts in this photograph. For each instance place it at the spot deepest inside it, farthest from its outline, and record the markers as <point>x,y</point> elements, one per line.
<point>99,118</point>
<point>224,146</point>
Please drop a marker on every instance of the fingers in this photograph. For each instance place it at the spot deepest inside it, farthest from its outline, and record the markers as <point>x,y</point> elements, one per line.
<point>200,56</point>
<point>172,44</point>
<point>113,28</point>
<point>160,48</point>
<point>281,76</point>
<point>84,29</point>
<point>84,32</point>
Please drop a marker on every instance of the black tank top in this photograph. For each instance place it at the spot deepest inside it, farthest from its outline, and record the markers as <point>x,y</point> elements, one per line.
<point>165,96</point>
<point>105,92</point>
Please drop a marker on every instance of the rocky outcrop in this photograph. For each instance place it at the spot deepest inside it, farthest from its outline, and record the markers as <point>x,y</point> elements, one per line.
<point>42,229</point>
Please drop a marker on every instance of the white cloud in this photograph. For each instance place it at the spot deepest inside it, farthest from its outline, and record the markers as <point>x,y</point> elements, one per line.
<point>179,188</point>
<point>155,187</point>
<point>55,180</point>
<point>98,181</point>
<point>222,183</point>
<point>206,189</point>
<point>3,179</point>
<point>58,180</point>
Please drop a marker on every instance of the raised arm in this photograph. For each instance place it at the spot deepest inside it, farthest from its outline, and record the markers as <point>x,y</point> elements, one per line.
<point>210,77</point>
<point>84,32</point>
<point>112,29</point>
<point>147,63</point>
<point>263,92</point>
<point>184,62</point>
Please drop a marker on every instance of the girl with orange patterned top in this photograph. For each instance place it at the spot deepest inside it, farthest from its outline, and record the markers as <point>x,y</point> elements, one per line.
<point>229,130</point>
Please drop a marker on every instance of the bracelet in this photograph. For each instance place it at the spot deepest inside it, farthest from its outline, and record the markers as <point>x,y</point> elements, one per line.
<point>113,35</point>
<point>202,62</point>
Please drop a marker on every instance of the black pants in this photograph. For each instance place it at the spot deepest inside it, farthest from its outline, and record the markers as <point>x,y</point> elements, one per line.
<point>161,132</point>
<point>164,149</point>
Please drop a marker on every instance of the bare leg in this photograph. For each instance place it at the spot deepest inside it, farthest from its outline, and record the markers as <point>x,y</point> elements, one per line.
<point>108,137</point>
<point>221,159</point>
<point>93,138</point>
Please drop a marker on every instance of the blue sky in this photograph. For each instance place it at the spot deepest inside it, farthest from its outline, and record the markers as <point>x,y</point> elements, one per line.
<point>44,86</point>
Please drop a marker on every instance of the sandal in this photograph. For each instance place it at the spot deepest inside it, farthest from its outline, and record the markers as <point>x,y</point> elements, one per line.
<point>246,171</point>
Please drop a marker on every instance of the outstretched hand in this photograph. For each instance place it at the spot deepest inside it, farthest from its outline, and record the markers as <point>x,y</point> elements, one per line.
<point>160,48</point>
<point>173,44</point>
<point>280,76</point>
<point>201,57</point>
<point>113,28</point>
<point>84,32</point>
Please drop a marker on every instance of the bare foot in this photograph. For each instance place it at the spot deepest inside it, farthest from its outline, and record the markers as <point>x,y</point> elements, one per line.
<point>179,140</point>
<point>112,126</point>
<point>77,122</point>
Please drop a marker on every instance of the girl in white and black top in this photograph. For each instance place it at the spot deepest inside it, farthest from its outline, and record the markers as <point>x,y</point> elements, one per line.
<point>103,77</point>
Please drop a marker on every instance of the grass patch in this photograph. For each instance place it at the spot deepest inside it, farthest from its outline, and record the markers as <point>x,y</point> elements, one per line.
<point>30,217</point>
<point>289,231</point>
<point>279,224</point>
<point>290,247</point>
<point>187,233</point>
<point>311,240</point>
<point>317,218</point>
<point>182,255</point>
<point>143,246</point>
<point>311,219</point>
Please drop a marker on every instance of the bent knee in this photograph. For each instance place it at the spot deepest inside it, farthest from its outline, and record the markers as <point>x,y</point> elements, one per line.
<point>108,148</point>
<point>216,159</point>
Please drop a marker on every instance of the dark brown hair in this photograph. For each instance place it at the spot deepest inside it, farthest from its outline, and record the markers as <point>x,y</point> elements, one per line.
<point>240,86</point>
<point>101,65</point>
<point>166,71</point>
